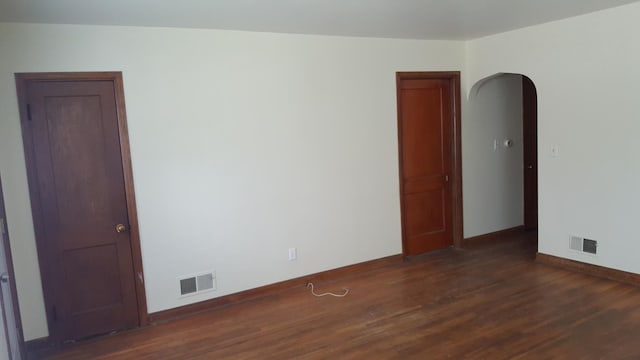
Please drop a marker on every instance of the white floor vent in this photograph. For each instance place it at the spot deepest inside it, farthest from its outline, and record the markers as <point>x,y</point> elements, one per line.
<point>576,243</point>
<point>583,245</point>
<point>198,283</point>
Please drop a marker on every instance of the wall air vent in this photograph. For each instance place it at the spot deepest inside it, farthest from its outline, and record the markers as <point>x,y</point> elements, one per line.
<point>576,243</point>
<point>590,246</point>
<point>583,245</point>
<point>198,283</point>
<point>188,286</point>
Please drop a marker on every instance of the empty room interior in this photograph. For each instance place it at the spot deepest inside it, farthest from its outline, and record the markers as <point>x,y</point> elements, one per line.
<point>310,180</point>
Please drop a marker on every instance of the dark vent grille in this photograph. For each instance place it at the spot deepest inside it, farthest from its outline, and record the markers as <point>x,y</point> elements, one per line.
<point>188,286</point>
<point>590,246</point>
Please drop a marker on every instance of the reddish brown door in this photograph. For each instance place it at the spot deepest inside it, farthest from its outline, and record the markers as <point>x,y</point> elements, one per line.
<point>426,126</point>
<point>73,145</point>
<point>530,136</point>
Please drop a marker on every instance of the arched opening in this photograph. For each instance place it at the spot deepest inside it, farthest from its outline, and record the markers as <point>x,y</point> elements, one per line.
<point>500,157</point>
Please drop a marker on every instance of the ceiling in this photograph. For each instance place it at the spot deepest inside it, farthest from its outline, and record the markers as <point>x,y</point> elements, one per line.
<point>410,19</point>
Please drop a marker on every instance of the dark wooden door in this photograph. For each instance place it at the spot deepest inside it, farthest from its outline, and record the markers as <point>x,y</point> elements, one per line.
<point>426,125</point>
<point>530,136</point>
<point>81,213</point>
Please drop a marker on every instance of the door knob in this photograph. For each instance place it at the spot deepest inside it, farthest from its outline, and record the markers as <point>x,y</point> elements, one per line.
<point>120,228</point>
<point>530,167</point>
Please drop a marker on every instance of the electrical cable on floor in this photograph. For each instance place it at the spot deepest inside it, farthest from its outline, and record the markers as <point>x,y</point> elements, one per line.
<point>310,285</point>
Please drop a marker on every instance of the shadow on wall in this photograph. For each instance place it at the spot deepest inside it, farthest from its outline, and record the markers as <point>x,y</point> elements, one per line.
<point>499,155</point>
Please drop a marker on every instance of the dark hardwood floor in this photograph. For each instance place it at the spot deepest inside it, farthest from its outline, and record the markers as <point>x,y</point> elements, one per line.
<point>488,301</point>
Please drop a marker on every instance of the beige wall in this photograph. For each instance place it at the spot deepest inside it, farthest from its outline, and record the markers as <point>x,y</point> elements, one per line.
<point>246,144</point>
<point>586,73</point>
<point>243,145</point>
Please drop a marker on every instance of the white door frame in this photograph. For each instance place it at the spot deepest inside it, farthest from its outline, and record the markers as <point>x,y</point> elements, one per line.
<point>12,343</point>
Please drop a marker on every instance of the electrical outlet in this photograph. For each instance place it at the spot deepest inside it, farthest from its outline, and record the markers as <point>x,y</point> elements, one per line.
<point>293,254</point>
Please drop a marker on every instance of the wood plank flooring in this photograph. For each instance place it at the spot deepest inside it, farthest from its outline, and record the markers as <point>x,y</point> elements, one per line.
<point>488,301</point>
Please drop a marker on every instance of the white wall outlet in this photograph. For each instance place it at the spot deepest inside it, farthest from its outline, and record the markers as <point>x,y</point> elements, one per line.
<point>293,254</point>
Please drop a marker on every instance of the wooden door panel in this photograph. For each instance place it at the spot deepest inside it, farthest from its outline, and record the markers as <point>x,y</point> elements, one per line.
<point>425,213</point>
<point>94,275</point>
<point>89,185</point>
<point>426,183</point>
<point>81,189</point>
<point>426,125</point>
<point>422,141</point>
<point>76,186</point>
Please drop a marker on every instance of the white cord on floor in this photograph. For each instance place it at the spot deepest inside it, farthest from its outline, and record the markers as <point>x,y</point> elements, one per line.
<point>310,285</point>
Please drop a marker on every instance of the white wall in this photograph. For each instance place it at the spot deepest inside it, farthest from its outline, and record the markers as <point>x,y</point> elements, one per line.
<point>243,145</point>
<point>4,346</point>
<point>493,178</point>
<point>588,80</point>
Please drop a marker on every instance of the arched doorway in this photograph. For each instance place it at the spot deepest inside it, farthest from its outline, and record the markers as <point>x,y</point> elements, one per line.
<point>500,156</point>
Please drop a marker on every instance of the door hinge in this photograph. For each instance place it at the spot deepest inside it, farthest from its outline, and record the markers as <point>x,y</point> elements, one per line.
<point>446,178</point>
<point>29,112</point>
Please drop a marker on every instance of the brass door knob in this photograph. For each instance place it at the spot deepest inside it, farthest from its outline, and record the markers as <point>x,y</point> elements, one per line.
<point>120,228</point>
